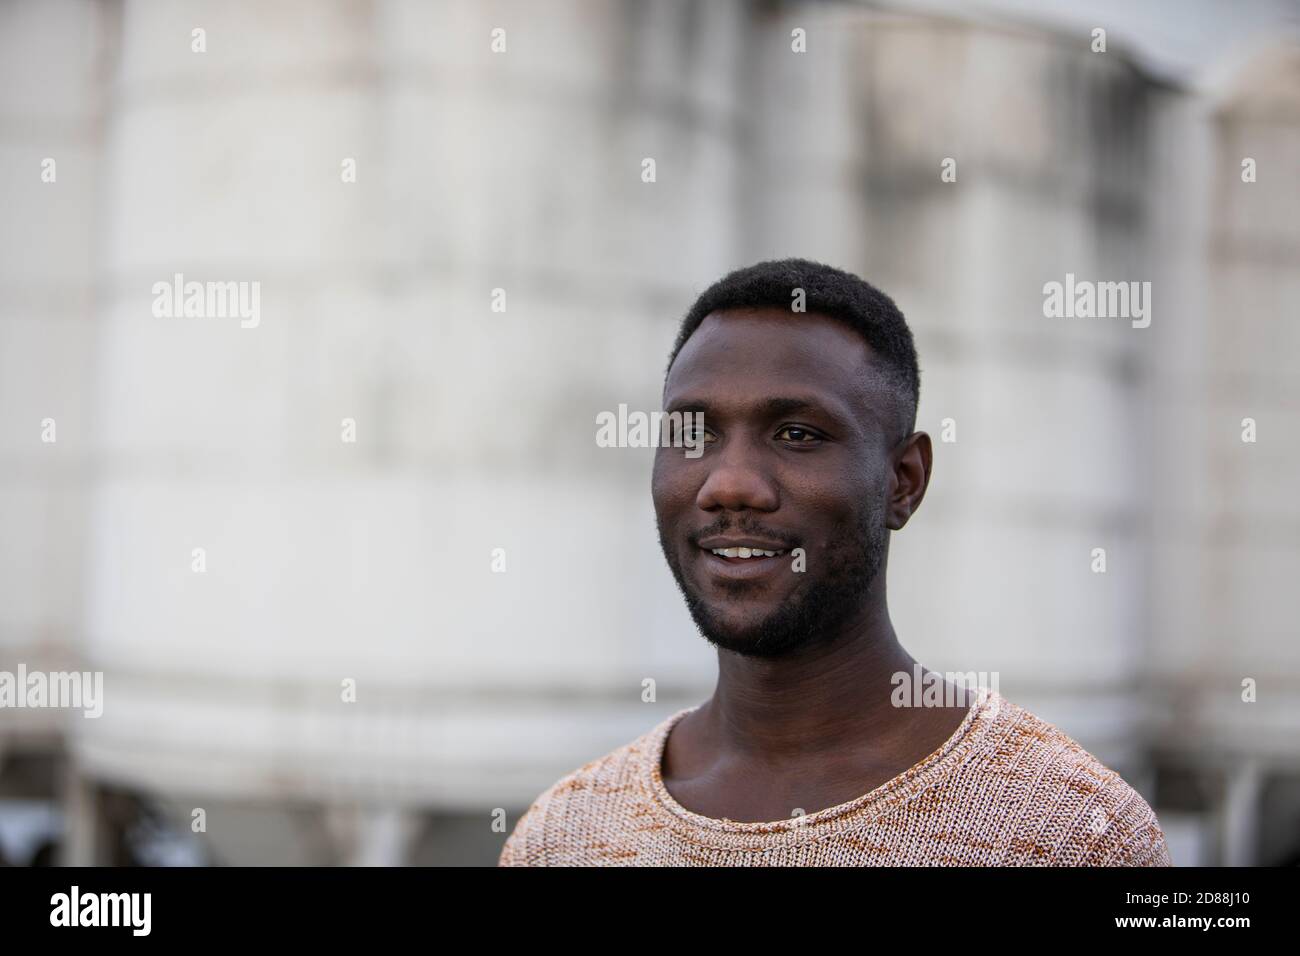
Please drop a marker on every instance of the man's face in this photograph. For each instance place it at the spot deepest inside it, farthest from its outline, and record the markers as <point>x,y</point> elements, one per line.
<point>797,443</point>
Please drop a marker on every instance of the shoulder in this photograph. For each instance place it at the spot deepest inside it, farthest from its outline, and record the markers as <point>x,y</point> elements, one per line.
<point>1068,808</point>
<point>579,817</point>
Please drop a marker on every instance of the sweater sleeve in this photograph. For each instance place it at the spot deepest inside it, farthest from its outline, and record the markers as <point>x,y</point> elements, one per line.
<point>1133,838</point>
<point>1156,855</point>
<point>513,852</point>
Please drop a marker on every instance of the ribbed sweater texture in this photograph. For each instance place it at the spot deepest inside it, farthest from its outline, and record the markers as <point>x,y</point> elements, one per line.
<point>1006,789</point>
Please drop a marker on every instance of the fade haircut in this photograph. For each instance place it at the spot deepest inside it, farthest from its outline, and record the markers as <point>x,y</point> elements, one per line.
<point>830,292</point>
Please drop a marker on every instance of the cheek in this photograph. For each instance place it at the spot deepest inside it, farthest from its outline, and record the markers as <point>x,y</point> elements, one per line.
<point>670,487</point>
<point>827,505</point>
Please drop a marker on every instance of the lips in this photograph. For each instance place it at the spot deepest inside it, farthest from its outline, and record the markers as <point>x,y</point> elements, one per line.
<point>744,547</point>
<point>743,559</point>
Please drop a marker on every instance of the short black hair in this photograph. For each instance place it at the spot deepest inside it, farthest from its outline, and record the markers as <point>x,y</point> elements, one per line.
<point>827,291</point>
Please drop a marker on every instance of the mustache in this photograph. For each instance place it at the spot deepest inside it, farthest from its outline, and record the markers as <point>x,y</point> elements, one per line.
<point>724,524</point>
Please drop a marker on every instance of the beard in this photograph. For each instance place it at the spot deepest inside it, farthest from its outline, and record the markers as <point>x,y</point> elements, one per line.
<point>833,591</point>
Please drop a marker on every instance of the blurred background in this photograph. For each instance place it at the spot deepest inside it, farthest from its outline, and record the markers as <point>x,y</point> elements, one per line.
<point>372,561</point>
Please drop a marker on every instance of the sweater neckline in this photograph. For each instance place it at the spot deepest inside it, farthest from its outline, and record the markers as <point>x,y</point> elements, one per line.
<point>688,822</point>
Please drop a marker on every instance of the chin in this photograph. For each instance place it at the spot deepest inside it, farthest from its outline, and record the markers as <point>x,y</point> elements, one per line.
<point>740,640</point>
<point>755,646</point>
<point>730,623</point>
<point>763,637</point>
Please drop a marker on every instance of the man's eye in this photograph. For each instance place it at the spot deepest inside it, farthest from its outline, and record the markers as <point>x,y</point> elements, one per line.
<point>801,436</point>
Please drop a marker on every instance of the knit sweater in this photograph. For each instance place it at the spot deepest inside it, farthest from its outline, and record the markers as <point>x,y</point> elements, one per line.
<point>1006,789</point>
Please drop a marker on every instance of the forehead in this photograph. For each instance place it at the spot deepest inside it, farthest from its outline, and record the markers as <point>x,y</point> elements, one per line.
<point>776,350</point>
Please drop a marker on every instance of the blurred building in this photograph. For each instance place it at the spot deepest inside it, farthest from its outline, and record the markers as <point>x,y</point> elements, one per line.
<point>328,561</point>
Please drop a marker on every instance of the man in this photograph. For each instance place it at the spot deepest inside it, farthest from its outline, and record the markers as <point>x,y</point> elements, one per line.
<point>777,535</point>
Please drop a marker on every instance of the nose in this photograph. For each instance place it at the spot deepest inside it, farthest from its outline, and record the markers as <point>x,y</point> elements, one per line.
<point>737,481</point>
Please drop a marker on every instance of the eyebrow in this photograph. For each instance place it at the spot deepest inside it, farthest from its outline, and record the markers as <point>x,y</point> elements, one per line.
<point>770,407</point>
<point>786,406</point>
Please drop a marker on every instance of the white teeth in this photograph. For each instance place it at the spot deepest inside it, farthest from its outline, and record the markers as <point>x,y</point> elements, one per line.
<point>746,553</point>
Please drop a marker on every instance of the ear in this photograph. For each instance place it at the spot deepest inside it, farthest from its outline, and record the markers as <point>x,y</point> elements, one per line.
<point>912,460</point>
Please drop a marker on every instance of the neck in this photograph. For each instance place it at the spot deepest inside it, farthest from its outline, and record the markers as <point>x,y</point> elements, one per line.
<point>814,701</point>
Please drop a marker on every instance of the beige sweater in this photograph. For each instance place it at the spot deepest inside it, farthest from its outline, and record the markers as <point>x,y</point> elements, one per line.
<point>1006,789</point>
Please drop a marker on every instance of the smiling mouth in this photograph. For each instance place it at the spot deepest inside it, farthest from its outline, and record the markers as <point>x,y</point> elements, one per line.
<point>745,553</point>
<point>732,567</point>
<point>742,560</point>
